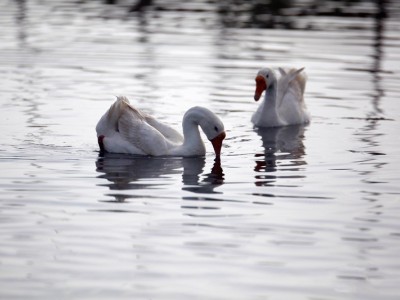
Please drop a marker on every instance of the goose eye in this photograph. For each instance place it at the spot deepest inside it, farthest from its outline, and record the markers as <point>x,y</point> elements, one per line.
<point>216,128</point>
<point>267,75</point>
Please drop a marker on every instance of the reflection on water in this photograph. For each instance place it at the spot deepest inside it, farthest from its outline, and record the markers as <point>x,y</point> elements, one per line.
<point>21,22</point>
<point>128,172</point>
<point>316,202</point>
<point>203,186</point>
<point>283,148</point>
<point>376,67</point>
<point>270,14</point>
<point>208,182</point>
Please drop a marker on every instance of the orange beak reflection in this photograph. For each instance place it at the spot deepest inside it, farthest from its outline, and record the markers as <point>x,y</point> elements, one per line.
<point>261,86</point>
<point>217,143</point>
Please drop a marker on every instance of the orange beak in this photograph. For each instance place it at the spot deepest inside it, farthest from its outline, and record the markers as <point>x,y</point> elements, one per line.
<point>217,143</point>
<point>261,86</point>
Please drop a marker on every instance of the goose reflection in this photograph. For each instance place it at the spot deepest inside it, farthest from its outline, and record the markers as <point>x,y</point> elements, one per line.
<point>124,172</point>
<point>127,172</point>
<point>207,183</point>
<point>283,148</point>
<point>203,187</point>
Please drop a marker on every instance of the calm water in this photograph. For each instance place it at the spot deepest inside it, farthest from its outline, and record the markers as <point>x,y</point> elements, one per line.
<point>291,213</point>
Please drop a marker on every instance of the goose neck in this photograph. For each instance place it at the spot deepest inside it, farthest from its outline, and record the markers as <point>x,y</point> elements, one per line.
<point>192,142</point>
<point>190,129</point>
<point>270,95</point>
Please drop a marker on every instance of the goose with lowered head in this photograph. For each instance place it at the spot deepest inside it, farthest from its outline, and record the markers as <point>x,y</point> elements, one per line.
<point>283,102</point>
<point>125,129</point>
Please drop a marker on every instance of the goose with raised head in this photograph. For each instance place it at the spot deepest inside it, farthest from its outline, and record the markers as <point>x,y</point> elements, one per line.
<point>125,129</point>
<point>283,102</point>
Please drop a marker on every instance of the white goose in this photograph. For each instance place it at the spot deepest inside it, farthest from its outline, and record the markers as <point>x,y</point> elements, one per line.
<point>284,101</point>
<point>125,129</point>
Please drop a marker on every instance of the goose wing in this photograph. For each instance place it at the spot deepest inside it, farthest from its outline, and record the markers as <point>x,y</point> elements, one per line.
<point>168,132</point>
<point>291,84</point>
<point>292,107</point>
<point>133,127</point>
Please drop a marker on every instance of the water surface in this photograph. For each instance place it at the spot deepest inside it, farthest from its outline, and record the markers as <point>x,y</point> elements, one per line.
<point>301,212</point>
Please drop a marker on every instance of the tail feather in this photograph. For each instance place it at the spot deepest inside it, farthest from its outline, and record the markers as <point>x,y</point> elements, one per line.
<point>292,78</point>
<point>299,76</point>
<point>116,109</point>
<point>110,120</point>
<point>119,107</point>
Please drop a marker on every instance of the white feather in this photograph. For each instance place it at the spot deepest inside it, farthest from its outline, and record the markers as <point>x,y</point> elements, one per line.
<point>283,102</point>
<point>125,129</point>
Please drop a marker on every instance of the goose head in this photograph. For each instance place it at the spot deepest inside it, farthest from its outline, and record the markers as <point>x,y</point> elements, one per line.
<point>215,132</point>
<point>211,125</point>
<point>265,79</point>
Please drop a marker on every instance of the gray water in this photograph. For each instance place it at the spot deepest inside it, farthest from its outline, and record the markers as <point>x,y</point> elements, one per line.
<point>302,212</point>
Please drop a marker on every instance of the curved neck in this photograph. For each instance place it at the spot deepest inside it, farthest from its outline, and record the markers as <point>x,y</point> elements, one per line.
<point>270,102</point>
<point>270,106</point>
<point>192,143</point>
<point>191,133</point>
<point>270,95</point>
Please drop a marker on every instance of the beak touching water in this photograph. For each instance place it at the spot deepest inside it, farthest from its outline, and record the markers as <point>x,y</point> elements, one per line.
<point>217,143</point>
<point>261,86</point>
